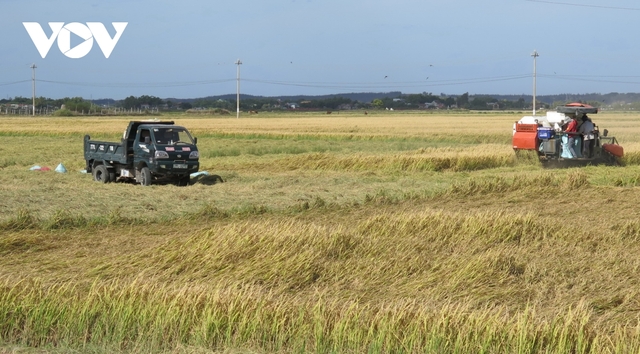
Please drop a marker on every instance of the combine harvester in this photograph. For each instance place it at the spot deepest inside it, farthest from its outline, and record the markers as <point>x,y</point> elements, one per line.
<point>545,135</point>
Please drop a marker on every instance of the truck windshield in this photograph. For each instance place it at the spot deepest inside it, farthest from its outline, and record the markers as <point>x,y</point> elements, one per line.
<point>172,136</point>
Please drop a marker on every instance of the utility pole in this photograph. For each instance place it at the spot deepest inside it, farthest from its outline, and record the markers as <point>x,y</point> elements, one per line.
<point>238,63</point>
<point>33,86</point>
<point>534,55</point>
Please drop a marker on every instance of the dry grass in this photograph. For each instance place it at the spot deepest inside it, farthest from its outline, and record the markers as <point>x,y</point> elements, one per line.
<point>348,124</point>
<point>411,275</point>
<point>401,124</point>
<point>408,234</point>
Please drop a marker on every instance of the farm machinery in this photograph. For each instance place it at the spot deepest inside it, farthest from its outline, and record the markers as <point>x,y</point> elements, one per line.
<point>546,136</point>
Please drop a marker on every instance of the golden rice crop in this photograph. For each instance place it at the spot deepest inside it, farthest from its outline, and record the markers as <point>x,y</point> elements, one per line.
<point>397,281</point>
<point>391,233</point>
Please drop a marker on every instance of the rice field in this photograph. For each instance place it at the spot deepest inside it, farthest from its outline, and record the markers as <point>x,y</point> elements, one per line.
<point>394,232</point>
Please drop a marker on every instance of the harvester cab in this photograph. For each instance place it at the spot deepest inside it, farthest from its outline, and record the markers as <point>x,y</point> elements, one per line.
<point>553,145</point>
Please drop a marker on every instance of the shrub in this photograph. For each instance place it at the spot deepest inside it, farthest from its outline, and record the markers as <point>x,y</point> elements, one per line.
<point>64,112</point>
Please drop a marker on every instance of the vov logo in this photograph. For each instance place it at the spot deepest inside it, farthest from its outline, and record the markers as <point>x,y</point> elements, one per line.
<point>93,30</point>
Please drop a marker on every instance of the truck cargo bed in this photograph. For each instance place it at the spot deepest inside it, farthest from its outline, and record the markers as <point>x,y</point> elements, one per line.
<point>105,151</point>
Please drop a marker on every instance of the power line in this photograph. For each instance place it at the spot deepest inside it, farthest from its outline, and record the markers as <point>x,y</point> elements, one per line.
<point>382,83</point>
<point>577,78</point>
<point>583,5</point>
<point>396,84</point>
<point>316,84</point>
<point>13,83</point>
<point>354,85</point>
<point>128,85</point>
<point>580,76</point>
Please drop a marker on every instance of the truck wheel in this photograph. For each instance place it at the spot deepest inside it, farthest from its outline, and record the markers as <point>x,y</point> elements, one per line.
<point>100,174</point>
<point>112,176</point>
<point>145,176</point>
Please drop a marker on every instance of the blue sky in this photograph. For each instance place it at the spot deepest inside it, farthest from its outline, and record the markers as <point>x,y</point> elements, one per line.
<point>187,48</point>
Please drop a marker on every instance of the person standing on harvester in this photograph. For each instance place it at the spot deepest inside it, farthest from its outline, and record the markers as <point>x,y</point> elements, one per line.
<point>571,131</point>
<point>588,137</point>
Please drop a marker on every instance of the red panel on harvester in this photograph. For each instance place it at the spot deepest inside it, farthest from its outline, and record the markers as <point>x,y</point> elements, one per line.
<point>615,150</point>
<point>526,137</point>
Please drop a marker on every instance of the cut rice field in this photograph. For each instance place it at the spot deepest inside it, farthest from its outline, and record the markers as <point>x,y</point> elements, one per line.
<point>394,232</point>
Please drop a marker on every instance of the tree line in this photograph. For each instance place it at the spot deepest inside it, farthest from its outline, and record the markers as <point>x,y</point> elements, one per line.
<point>71,103</point>
<point>397,101</point>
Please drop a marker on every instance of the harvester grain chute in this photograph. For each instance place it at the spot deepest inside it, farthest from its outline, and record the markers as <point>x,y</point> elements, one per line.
<point>546,136</point>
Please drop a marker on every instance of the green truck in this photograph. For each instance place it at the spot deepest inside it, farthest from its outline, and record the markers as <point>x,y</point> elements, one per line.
<point>150,152</point>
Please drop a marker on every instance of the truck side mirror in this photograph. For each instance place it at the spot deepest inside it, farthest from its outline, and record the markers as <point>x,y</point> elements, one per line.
<point>147,140</point>
<point>195,141</point>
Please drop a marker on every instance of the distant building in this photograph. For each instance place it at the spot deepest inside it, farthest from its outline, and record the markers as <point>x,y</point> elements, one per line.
<point>493,105</point>
<point>431,105</point>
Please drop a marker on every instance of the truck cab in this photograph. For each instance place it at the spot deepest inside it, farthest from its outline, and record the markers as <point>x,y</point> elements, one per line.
<point>150,152</point>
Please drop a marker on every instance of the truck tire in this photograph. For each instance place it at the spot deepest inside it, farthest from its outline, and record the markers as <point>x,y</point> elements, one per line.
<point>100,174</point>
<point>145,176</point>
<point>112,175</point>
